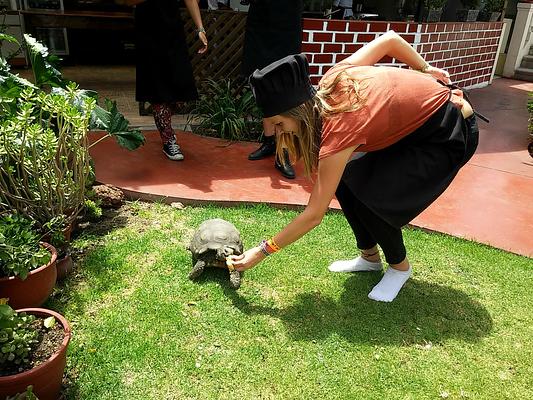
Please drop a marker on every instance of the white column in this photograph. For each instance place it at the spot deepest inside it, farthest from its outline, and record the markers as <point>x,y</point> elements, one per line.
<point>520,39</point>
<point>501,43</point>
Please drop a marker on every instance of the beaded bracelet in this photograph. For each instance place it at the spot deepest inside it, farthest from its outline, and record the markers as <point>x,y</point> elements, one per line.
<point>269,247</point>
<point>273,244</point>
<point>262,246</point>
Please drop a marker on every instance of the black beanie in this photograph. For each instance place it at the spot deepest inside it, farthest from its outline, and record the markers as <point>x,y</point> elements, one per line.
<point>282,85</point>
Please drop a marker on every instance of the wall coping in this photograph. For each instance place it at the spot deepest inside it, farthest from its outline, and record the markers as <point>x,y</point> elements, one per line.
<point>525,6</point>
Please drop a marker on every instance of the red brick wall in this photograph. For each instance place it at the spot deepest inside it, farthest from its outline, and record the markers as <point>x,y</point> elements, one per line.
<point>468,51</point>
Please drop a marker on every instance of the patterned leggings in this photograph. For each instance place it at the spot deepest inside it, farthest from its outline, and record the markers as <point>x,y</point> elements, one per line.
<point>163,122</point>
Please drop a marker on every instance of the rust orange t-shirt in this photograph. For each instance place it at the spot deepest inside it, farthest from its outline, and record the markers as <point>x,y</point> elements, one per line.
<point>395,103</point>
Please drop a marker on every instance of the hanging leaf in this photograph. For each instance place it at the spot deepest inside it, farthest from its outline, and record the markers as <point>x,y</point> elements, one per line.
<point>8,38</point>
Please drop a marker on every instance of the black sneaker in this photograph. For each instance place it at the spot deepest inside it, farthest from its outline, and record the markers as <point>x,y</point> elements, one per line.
<point>172,151</point>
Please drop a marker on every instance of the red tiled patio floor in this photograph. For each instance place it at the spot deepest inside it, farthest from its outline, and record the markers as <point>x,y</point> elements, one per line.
<point>489,202</point>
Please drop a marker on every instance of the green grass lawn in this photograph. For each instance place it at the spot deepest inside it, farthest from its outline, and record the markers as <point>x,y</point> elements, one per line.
<point>461,327</point>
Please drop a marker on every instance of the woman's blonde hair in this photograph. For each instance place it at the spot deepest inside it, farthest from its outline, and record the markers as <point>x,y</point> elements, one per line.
<point>339,95</point>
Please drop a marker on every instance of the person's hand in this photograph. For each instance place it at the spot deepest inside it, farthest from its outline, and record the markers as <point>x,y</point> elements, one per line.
<point>248,259</point>
<point>438,74</point>
<point>203,37</point>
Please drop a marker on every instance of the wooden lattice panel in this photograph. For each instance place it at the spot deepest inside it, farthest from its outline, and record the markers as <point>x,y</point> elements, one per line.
<point>225,33</point>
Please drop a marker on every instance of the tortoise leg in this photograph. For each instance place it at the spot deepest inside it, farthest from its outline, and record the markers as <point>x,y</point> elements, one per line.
<point>197,269</point>
<point>235,279</point>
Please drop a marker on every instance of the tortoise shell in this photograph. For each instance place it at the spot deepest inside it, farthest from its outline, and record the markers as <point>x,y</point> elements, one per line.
<point>213,241</point>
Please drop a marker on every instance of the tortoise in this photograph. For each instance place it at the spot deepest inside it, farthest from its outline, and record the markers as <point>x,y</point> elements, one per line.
<point>213,241</point>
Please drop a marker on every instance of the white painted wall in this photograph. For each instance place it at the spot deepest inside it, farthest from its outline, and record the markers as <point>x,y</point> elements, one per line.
<point>521,39</point>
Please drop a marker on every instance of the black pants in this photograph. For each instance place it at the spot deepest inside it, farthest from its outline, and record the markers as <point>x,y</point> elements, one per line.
<point>369,229</point>
<point>386,189</point>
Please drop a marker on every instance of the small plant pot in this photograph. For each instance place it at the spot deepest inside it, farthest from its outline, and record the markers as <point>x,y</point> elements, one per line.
<point>494,16</point>
<point>45,378</point>
<point>67,233</point>
<point>467,15</point>
<point>35,289</point>
<point>64,267</point>
<point>434,15</point>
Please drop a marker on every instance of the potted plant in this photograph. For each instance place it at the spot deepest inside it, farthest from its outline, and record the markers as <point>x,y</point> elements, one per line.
<point>45,167</point>
<point>27,268</point>
<point>492,9</point>
<point>222,111</point>
<point>470,11</point>
<point>33,346</point>
<point>26,395</point>
<point>433,10</point>
<point>58,232</point>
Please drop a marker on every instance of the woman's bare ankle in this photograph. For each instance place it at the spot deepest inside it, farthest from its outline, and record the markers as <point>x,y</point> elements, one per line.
<point>371,255</point>
<point>402,266</point>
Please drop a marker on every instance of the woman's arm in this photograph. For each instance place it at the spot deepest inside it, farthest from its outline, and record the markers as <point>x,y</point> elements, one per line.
<point>194,11</point>
<point>389,44</point>
<point>330,172</point>
<point>329,175</point>
<point>393,45</point>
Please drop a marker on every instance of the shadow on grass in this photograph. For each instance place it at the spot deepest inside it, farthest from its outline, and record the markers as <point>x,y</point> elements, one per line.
<point>423,312</point>
<point>111,220</point>
<point>64,293</point>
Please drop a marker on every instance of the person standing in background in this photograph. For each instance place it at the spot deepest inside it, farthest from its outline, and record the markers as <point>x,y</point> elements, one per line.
<point>164,72</point>
<point>273,31</point>
<point>218,5</point>
<point>342,9</point>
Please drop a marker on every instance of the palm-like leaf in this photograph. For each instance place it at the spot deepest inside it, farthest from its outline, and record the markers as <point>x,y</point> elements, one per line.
<point>226,114</point>
<point>108,119</point>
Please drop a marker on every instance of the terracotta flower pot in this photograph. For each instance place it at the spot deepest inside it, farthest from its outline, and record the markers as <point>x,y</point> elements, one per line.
<point>35,289</point>
<point>67,233</point>
<point>64,267</point>
<point>45,378</point>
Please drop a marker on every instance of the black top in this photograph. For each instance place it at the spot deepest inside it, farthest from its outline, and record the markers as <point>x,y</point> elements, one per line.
<point>400,181</point>
<point>273,31</point>
<point>164,72</point>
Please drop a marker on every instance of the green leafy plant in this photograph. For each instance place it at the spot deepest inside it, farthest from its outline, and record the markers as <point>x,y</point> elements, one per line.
<point>44,157</point>
<point>221,112</point>
<point>47,76</point>
<point>20,251</point>
<point>53,232</point>
<point>530,123</point>
<point>93,211</point>
<point>435,4</point>
<point>44,148</point>
<point>530,110</point>
<point>17,338</point>
<point>470,4</point>
<point>4,37</point>
<point>27,395</point>
<point>493,5</point>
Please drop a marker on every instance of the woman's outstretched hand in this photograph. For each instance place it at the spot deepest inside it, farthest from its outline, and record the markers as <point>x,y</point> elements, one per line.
<point>439,74</point>
<point>248,259</point>
<point>203,37</point>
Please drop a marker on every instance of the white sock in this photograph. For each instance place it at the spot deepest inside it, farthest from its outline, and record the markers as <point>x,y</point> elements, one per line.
<point>356,265</point>
<point>388,287</point>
